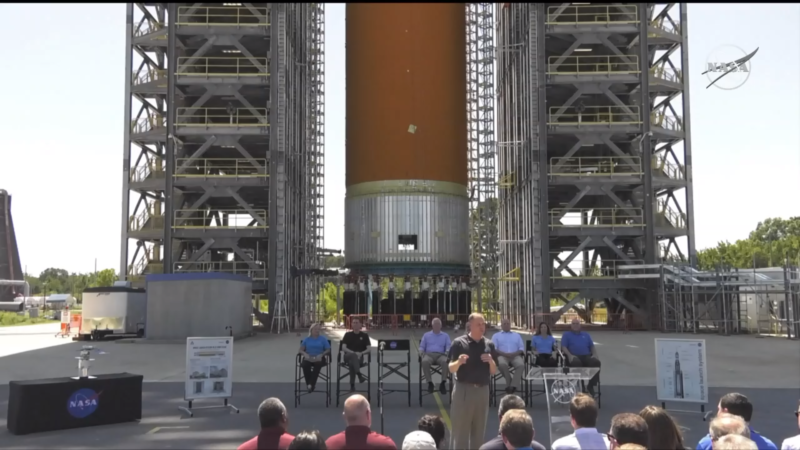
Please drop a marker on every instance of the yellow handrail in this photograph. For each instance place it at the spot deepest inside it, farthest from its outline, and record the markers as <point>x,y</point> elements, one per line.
<point>592,15</point>
<point>224,16</point>
<point>220,117</point>
<point>149,75</point>
<point>669,169</point>
<point>203,219</point>
<point>665,24</point>
<point>234,267</point>
<point>508,180</point>
<point>148,27</point>
<point>154,168</point>
<point>146,220</point>
<point>671,123</point>
<point>594,115</point>
<point>604,217</point>
<point>602,268</point>
<point>676,219</point>
<point>512,275</point>
<point>665,73</point>
<point>147,124</point>
<point>225,66</point>
<point>594,166</point>
<point>221,168</point>
<point>593,65</point>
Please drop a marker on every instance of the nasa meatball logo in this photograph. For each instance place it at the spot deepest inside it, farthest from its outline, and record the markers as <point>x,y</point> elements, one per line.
<point>82,403</point>
<point>393,345</point>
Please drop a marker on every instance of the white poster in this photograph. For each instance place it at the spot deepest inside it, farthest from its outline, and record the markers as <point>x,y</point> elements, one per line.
<point>209,367</point>
<point>681,370</point>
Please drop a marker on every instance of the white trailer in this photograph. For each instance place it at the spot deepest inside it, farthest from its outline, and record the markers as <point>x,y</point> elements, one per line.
<point>116,310</point>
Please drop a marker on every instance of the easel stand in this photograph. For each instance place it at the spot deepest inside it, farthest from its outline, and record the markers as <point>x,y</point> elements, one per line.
<point>190,410</point>
<point>702,410</point>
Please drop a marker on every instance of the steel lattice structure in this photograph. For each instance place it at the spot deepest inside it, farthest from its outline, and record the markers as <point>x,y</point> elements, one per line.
<point>223,144</point>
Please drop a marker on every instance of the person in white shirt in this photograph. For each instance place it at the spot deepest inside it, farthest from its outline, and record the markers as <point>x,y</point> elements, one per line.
<point>510,350</point>
<point>583,414</point>
<point>793,443</point>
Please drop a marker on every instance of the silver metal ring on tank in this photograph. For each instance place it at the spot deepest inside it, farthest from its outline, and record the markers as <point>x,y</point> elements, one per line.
<point>407,226</point>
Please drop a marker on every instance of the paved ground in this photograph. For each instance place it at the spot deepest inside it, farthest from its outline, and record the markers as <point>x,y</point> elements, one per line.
<point>25,338</point>
<point>261,368</point>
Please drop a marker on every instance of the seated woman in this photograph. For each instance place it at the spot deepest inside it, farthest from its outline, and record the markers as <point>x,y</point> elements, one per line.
<point>543,344</point>
<point>314,348</point>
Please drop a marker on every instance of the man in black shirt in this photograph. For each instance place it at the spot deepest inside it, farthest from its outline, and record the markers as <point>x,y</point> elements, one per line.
<point>471,359</point>
<point>355,344</point>
<point>508,403</point>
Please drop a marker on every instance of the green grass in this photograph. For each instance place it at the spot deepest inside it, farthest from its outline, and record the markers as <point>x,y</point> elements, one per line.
<point>12,319</point>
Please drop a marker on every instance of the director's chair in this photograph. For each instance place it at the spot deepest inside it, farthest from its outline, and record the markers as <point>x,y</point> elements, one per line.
<point>343,371</point>
<point>493,391</point>
<point>324,376</point>
<point>435,370</point>
<point>530,363</point>
<point>398,367</point>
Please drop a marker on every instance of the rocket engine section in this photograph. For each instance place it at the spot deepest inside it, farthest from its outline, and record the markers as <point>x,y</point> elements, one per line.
<point>406,208</point>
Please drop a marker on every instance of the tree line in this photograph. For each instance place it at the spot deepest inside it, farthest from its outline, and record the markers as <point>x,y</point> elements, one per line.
<point>769,245</point>
<point>59,281</point>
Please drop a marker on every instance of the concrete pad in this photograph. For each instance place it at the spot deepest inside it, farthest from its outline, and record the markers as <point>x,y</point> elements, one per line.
<point>25,338</point>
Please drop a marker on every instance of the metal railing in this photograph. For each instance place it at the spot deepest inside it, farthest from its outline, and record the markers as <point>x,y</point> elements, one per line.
<point>146,220</point>
<point>233,267</point>
<point>674,218</point>
<point>222,66</point>
<point>665,24</point>
<point>594,115</point>
<point>149,75</point>
<point>597,217</point>
<point>582,269</point>
<point>595,166</point>
<point>593,65</point>
<point>669,169</point>
<point>666,73</point>
<point>507,180</point>
<point>149,26</point>
<point>221,168</point>
<point>203,219</point>
<point>671,123</point>
<point>146,264</point>
<point>148,124</point>
<point>221,117</point>
<point>151,169</point>
<point>592,15</point>
<point>223,16</point>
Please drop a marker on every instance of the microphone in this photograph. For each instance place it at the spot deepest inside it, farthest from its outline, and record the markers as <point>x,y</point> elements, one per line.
<point>383,344</point>
<point>487,350</point>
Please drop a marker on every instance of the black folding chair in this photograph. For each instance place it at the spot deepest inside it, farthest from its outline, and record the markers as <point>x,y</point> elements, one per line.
<point>343,371</point>
<point>398,367</point>
<point>324,376</point>
<point>435,370</point>
<point>530,363</point>
<point>493,391</point>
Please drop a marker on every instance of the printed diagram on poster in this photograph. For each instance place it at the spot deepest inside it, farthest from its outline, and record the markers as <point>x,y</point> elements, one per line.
<point>209,365</point>
<point>681,370</point>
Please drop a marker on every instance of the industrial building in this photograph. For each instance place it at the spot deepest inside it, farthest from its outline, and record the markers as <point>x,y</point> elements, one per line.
<point>11,276</point>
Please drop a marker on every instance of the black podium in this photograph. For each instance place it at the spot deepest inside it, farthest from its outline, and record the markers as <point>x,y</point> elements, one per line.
<point>61,403</point>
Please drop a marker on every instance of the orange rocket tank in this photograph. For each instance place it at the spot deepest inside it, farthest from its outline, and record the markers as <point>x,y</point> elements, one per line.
<point>406,92</point>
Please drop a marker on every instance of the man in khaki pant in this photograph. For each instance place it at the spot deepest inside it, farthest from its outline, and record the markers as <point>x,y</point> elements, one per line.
<point>510,351</point>
<point>434,347</point>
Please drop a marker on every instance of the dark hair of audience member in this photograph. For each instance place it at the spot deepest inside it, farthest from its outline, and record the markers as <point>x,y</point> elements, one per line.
<point>738,405</point>
<point>510,402</point>
<point>308,440</point>
<point>665,434</point>
<point>539,329</point>
<point>433,425</point>
<point>629,428</point>
<point>516,427</point>
<point>583,410</point>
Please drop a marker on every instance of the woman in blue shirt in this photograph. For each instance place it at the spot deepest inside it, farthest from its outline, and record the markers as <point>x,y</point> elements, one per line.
<point>314,348</point>
<point>543,344</point>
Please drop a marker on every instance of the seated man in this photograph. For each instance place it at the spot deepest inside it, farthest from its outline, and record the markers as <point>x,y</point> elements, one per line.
<point>516,429</point>
<point>355,344</point>
<point>509,349</point>
<point>583,415</point>
<point>627,428</point>
<point>509,403</point>
<point>358,435</point>
<point>433,349</point>
<point>738,405</point>
<point>433,425</point>
<point>580,351</point>
<point>314,348</point>
<point>274,421</point>
<point>793,443</point>
<point>419,440</point>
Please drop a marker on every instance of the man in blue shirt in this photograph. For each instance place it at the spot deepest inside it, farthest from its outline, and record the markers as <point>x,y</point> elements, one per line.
<point>580,351</point>
<point>433,349</point>
<point>314,348</point>
<point>738,405</point>
<point>509,348</point>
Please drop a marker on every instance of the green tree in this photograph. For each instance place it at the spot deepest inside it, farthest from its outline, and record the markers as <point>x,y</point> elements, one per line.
<point>768,245</point>
<point>105,278</point>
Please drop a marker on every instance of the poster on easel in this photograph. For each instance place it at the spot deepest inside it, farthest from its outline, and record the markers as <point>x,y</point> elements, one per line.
<point>681,370</point>
<point>209,368</point>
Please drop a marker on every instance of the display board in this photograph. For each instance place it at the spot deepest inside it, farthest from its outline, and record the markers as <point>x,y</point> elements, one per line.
<point>681,370</point>
<point>209,368</point>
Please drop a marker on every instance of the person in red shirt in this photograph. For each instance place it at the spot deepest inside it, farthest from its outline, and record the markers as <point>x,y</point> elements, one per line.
<point>358,435</point>
<point>274,423</point>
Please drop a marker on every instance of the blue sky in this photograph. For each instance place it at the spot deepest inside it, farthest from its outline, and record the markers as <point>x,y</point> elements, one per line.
<point>62,88</point>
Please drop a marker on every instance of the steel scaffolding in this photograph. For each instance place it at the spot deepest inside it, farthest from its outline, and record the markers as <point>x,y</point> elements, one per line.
<point>223,144</point>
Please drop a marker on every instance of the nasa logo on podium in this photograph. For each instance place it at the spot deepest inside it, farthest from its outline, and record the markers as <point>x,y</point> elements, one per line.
<point>393,345</point>
<point>82,403</point>
<point>563,391</point>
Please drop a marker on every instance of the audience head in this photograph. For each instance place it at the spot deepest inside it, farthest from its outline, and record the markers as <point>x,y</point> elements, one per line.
<point>627,428</point>
<point>664,432</point>
<point>357,411</point>
<point>314,330</point>
<point>508,403</point>
<point>583,411</point>
<point>736,404</point>
<point>505,324</point>
<point>735,442</point>
<point>477,324</point>
<point>576,325</point>
<point>419,440</point>
<point>355,325</point>
<point>631,447</point>
<point>726,424</point>
<point>308,440</point>
<point>433,425</point>
<point>436,324</point>
<point>516,429</point>
<point>272,413</point>
<point>543,330</point>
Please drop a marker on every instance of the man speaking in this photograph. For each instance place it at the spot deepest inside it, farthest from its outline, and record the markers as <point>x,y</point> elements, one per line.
<point>472,362</point>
